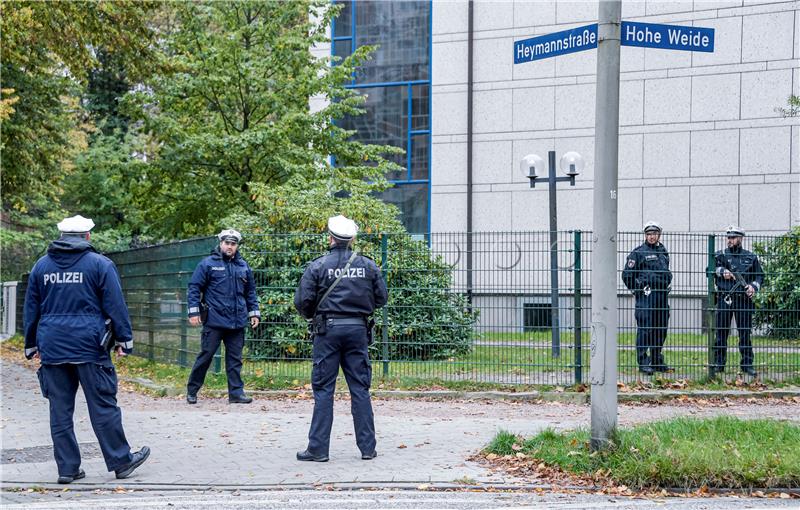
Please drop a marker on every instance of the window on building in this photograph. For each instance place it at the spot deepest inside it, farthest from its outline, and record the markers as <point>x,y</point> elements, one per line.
<point>536,317</point>
<point>397,85</point>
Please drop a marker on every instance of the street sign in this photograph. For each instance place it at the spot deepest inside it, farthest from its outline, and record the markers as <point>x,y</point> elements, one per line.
<point>667,37</point>
<point>557,43</point>
<point>634,33</point>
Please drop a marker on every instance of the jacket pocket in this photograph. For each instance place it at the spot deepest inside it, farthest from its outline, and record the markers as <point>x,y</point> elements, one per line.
<point>42,383</point>
<point>106,380</point>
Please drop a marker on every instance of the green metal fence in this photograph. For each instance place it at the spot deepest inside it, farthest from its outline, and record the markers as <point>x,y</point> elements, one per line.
<point>473,307</point>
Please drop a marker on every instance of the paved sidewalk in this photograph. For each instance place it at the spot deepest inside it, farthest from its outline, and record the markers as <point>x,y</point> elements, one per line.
<point>214,443</point>
<point>217,444</point>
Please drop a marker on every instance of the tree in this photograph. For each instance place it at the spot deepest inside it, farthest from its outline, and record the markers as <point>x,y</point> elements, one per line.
<point>233,110</point>
<point>48,50</point>
<point>778,301</point>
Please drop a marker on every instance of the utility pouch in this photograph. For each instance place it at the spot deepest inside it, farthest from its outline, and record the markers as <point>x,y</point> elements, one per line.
<point>370,331</point>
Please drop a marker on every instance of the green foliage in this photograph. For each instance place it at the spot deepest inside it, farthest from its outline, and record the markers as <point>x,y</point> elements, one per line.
<point>778,301</point>
<point>19,251</point>
<point>48,49</point>
<point>793,107</point>
<point>232,108</point>
<point>720,452</point>
<point>425,319</point>
<point>106,181</point>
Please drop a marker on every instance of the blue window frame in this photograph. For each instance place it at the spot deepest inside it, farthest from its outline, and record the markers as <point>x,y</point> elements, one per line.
<point>397,83</point>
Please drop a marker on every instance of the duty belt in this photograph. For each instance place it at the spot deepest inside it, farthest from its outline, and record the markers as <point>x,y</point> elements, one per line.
<point>346,321</point>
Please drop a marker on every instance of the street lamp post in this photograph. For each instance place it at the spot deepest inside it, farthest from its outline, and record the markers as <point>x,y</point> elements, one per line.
<point>571,164</point>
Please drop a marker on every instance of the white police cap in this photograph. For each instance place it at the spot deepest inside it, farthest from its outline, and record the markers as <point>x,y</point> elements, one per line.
<point>342,228</point>
<point>75,225</point>
<point>652,225</point>
<point>230,235</point>
<point>734,231</point>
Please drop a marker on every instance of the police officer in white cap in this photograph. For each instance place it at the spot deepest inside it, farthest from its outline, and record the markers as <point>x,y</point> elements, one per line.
<point>223,292</point>
<point>338,292</point>
<point>738,276</point>
<point>648,276</point>
<point>73,292</point>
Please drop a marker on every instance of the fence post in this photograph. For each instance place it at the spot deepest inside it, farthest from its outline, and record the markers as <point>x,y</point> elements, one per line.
<point>151,311</point>
<point>710,305</point>
<point>578,309</point>
<point>184,326</point>
<point>385,311</point>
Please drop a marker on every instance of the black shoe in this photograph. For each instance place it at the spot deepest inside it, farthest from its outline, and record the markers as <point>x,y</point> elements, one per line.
<point>750,371</point>
<point>137,460</point>
<point>306,455</point>
<point>192,399</point>
<point>663,368</point>
<point>70,478</point>
<point>369,456</point>
<point>240,399</point>
<point>717,369</point>
<point>646,369</point>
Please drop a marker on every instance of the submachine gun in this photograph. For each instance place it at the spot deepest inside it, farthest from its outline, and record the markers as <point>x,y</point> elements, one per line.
<point>740,282</point>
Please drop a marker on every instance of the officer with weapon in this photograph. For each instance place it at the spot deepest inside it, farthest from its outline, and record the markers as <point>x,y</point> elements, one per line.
<point>738,276</point>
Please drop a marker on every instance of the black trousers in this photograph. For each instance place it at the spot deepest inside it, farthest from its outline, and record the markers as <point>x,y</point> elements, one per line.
<point>209,343</point>
<point>652,319</point>
<point>741,308</point>
<point>344,346</point>
<point>59,384</point>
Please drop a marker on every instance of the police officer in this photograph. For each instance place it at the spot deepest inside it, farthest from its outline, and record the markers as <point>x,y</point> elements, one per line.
<point>647,275</point>
<point>71,293</point>
<point>738,276</point>
<point>341,335</point>
<point>224,286</point>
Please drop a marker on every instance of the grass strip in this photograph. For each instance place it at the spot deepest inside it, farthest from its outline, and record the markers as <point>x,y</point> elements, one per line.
<point>685,453</point>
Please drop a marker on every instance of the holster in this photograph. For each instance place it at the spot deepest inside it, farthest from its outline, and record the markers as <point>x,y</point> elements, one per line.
<point>318,325</point>
<point>107,342</point>
<point>203,312</point>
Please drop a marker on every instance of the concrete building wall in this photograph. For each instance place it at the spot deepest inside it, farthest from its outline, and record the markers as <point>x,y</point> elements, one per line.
<point>701,143</point>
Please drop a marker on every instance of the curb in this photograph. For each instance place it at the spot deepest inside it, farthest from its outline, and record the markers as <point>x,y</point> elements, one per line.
<point>421,486</point>
<point>564,397</point>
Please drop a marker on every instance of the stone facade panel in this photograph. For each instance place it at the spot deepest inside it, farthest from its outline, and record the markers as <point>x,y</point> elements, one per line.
<point>763,92</point>
<point>765,207</point>
<point>666,155</point>
<point>714,207</point>
<point>534,108</point>
<point>667,100</point>
<point>715,153</point>
<point>765,151</point>
<point>715,97</point>
<point>768,37</point>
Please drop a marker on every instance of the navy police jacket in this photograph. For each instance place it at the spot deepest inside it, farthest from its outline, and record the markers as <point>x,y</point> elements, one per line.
<point>360,291</point>
<point>647,266</point>
<point>71,292</point>
<point>738,260</point>
<point>226,285</point>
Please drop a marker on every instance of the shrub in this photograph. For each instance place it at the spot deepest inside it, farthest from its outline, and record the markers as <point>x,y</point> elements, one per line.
<point>778,302</point>
<point>425,319</point>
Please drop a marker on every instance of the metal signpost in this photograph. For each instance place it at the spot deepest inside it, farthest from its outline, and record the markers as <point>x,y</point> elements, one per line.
<point>607,36</point>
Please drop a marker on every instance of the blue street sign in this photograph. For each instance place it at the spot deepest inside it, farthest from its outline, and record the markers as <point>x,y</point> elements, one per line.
<point>667,37</point>
<point>634,33</point>
<point>557,43</point>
